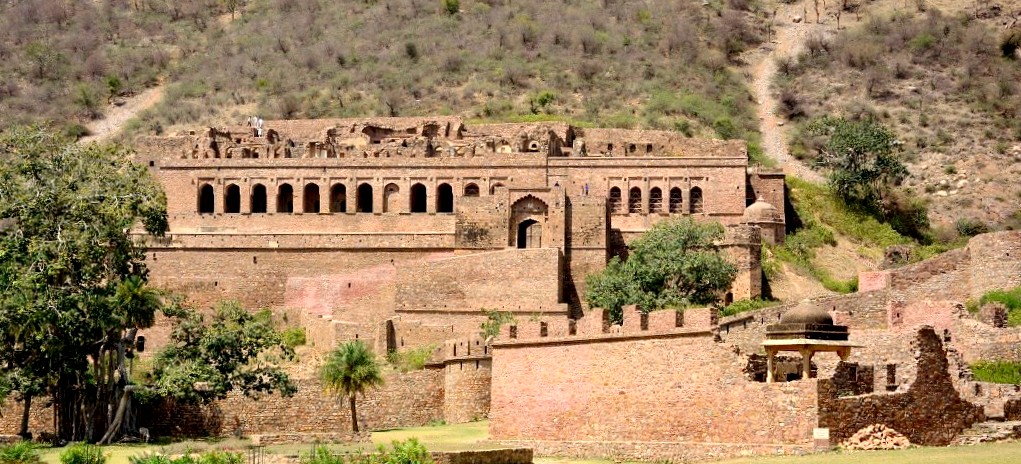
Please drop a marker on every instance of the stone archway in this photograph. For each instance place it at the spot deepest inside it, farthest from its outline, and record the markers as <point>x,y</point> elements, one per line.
<point>528,217</point>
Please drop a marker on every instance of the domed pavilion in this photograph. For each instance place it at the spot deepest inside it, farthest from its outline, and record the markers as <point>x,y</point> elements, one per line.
<point>807,329</point>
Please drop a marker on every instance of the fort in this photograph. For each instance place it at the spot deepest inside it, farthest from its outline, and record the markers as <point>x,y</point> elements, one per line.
<point>401,231</point>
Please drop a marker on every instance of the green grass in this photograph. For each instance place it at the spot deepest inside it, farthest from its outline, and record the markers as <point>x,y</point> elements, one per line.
<point>1008,372</point>
<point>752,304</point>
<point>1010,298</point>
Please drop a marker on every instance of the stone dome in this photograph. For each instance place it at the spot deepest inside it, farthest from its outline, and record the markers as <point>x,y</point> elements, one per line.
<point>807,312</point>
<point>761,211</point>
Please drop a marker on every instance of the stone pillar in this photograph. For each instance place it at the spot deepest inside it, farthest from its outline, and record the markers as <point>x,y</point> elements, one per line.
<point>219,195</point>
<point>298,197</point>
<point>806,363</point>
<point>245,190</point>
<point>324,196</point>
<point>770,365</point>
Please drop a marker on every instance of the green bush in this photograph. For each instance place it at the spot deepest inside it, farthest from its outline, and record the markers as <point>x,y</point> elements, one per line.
<point>410,360</point>
<point>1008,372</point>
<point>294,336</point>
<point>22,452</point>
<point>406,452</point>
<point>83,453</point>
<point>321,455</point>
<point>208,457</point>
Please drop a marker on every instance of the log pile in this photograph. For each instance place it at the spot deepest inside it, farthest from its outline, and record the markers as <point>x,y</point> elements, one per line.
<point>876,437</point>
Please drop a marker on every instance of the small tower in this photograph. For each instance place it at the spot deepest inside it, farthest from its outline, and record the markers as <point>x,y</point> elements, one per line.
<point>769,220</point>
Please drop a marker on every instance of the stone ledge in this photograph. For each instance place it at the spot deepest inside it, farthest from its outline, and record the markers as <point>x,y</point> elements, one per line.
<point>495,456</point>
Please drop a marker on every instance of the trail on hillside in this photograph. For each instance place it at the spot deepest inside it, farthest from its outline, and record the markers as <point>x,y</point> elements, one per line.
<point>102,129</point>
<point>789,40</point>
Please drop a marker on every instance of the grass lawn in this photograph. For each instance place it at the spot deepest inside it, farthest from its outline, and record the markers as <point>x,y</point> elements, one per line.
<point>475,436</point>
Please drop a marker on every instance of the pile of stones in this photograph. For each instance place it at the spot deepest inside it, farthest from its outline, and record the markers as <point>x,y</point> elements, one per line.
<point>876,437</point>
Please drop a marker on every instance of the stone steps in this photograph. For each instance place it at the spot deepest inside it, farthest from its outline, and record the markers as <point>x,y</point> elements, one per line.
<point>989,431</point>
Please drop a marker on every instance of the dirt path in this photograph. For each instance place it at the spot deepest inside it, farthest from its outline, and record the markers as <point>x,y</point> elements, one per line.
<point>790,37</point>
<point>117,116</point>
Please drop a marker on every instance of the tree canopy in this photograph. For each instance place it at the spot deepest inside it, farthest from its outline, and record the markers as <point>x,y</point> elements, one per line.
<point>675,264</point>
<point>862,158</point>
<point>72,277</point>
<point>351,369</point>
<point>232,352</point>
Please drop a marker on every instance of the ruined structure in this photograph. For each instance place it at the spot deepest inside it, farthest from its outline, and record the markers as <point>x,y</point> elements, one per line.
<point>401,230</point>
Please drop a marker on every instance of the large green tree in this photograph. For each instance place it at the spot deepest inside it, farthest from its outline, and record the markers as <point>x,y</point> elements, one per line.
<point>235,350</point>
<point>351,369</point>
<point>675,264</point>
<point>862,159</point>
<point>70,271</point>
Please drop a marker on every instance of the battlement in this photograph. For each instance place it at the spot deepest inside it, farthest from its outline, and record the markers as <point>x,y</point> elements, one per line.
<point>596,326</point>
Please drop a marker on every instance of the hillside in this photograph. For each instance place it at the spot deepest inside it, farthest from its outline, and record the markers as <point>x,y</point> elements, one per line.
<point>947,83</point>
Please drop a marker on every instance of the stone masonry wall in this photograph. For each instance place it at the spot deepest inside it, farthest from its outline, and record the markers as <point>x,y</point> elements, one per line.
<point>411,399</point>
<point>507,280</point>
<point>680,389</point>
<point>930,412</point>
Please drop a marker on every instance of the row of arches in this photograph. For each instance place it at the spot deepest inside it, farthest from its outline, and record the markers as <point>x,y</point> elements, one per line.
<point>416,199</point>
<point>674,202</point>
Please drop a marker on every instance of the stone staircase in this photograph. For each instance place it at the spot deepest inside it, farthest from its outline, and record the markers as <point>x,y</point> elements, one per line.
<point>989,431</point>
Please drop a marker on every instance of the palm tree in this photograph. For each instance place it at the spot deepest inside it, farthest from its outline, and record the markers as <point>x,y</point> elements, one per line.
<point>351,369</point>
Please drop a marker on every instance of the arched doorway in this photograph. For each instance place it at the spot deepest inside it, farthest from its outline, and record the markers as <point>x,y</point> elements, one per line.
<point>528,216</point>
<point>391,337</point>
<point>259,198</point>
<point>444,199</point>
<point>206,199</point>
<point>365,198</point>
<point>338,199</point>
<point>391,198</point>
<point>232,200</point>
<point>418,198</point>
<point>529,234</point>
<point>311,200</point>
<point>285,199</point>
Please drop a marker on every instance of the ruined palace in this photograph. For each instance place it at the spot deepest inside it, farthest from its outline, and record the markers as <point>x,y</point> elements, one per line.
<point>358,224</point>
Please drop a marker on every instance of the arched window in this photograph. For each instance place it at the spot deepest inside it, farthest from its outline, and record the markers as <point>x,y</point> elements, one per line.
<point>207,199</point>
<point>471,190</point>
<point>696,200</point>
<point>676,200</point>
<point>614,201</point>
<point>364,198</point>
<point>494,188</point>
<point>232,200</point>
<point>338,199</point>
<point>285,198</point>
<point>418,198</point>
<point>391,198</point>
<point>258,198</point>
<point>444,199</point>
<point>310,203</point>
<point>655,200</point>
<point>634,200</point>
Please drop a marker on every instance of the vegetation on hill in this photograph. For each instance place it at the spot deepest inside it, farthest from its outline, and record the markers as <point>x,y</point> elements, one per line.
<point>1010,299</point>
<point>64,61</point>
<point>652,64</point>
<point>674,264</point>
<point>947,86</point>
<point>1008,372</point>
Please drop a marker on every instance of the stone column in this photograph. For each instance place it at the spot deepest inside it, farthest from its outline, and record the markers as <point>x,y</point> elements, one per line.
<point>806,363</point>
<point>324,196</point>
<point>245,190</point>
<point>219,195</point>
<point>770,365</point>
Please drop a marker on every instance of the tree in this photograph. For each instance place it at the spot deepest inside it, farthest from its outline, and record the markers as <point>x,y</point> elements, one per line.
<point>861,158</point>
<point>206,361</point>
<point>675,264</point>
<point>351,369</point>
<point>68,263</point>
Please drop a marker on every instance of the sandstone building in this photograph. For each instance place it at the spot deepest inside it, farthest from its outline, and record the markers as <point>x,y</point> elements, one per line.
<point>368,227</point>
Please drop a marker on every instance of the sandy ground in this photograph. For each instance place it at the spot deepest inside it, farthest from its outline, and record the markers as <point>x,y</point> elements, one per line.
<point>117,116</point>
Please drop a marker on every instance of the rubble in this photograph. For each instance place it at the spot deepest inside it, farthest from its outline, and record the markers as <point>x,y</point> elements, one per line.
<point>876,437</point>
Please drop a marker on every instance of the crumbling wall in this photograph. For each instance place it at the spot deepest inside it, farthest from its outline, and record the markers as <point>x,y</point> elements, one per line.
<point>931,412</point>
